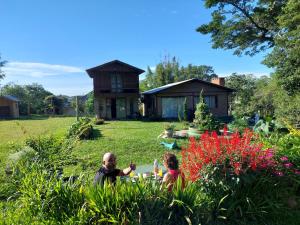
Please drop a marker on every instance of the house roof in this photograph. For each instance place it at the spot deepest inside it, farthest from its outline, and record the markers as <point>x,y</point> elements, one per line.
<point>10,97</point>
<point>113,66</point>
<point>161,88</point>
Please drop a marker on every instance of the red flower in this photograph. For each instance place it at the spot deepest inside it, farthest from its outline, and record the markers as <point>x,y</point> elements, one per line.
<point>236,154</point>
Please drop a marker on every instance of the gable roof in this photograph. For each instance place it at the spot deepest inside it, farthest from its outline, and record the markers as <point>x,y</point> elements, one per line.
<point>113,66</point>
<point>10,97</point>
<point>161,88</point>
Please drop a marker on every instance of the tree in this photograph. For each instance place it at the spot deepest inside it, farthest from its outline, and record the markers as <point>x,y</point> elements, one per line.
<point>245,87</point>
<point>31,97</point>
<point>250,26</point>
<point>35,95</point>
<point>89,105</point>
<point>2,63</point>
<point>169,71</point>
<point>19,92</point>
<point>204,119</point>
<point>285,57</point>
<point>54,104</point>
<point>262,100</point>
<point>246,26</point>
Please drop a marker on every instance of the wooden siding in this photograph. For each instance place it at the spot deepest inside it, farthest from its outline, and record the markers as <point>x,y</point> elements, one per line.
<point>13,107</point>
<point>102,83</point>
<point>190,91</point>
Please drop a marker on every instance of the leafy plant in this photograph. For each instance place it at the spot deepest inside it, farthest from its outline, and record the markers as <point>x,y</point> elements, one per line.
<point>169,126</point>
<point>204,120</point>
<point>81,129</point>
<point>236,173</point>
<point>99,121</point>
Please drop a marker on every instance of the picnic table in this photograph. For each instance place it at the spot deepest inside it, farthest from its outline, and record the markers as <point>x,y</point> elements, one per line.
<point>146,171</point>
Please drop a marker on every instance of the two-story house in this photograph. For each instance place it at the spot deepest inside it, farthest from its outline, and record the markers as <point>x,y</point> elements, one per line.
<point>116,89</point>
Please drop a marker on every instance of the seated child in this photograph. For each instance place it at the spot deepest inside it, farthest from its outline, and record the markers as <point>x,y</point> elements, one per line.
<point>108,171</point>
<point>171,164</point>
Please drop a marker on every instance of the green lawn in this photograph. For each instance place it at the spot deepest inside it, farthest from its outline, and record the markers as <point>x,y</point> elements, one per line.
<point>134,141</point>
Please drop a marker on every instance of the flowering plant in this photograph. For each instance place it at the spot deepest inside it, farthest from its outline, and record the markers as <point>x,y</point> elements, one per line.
<point>236,172</point>
<point>236,154</point>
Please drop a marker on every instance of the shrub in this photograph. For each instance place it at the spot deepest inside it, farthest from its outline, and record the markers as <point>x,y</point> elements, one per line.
<point>99,121</point>
<point>81,129</point>
<point>242,179</point>
<point>204,120</point>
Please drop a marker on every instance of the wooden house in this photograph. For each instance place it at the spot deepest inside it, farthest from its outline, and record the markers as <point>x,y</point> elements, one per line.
<point>116,89</point>
<point>168,101</point>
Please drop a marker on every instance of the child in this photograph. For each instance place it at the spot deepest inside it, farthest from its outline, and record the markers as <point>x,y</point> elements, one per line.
<point>171,164</point>
<point>108,171</point>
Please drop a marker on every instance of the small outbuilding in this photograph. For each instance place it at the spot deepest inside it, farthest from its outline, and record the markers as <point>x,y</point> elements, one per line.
<point>9,107</point>
<point>168,101</point>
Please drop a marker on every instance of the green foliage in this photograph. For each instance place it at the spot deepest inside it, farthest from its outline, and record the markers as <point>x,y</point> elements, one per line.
<point>169,71</point>
<point>245,26</point>
<point>185,110</point>
<point>54,104</point>
<point>89,105</point>
<point>99,121</point>
<point>253,26</point>
<point>31,97</point>
<point>204,119</point>
<point>169,126</point>
<point>2,64</point>
<point>285,57</point>
<point>81,129</point>
<point>287,108</point>
<point>238,124</point>
<point>263,98</point>
<point>245,88</point>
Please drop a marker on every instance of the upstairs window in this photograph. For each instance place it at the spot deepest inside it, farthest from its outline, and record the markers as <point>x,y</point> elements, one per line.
<point>116,83</point>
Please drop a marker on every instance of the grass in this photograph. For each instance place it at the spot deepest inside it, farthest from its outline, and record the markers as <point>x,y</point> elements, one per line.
<point>134,141</point>
<point>14,132</point>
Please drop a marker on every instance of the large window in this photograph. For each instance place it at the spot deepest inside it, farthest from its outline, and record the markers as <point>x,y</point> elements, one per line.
<point>210,100</point>
<point>116,83</point>
<point>172,107</point>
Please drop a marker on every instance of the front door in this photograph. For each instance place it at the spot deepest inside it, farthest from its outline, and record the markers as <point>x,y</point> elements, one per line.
<point>121,108</point>
<point>113,108</point>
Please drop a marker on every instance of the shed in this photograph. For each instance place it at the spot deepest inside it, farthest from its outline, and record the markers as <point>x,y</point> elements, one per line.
<point>9,107</point>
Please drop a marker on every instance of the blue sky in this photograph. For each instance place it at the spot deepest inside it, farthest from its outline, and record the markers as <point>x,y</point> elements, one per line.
<point>53,42</point>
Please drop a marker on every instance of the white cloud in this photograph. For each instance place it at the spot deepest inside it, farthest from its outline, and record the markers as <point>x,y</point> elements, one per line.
<point>38,69</point>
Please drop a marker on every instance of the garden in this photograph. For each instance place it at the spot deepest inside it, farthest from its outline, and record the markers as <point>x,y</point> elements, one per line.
<point>239,176</point>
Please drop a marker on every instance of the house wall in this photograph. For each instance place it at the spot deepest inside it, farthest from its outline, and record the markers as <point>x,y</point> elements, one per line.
<point>103,109</point>
<point>102,92</point>
<point>191,90</point>
<point>102,82</point>
<point>13,107</point>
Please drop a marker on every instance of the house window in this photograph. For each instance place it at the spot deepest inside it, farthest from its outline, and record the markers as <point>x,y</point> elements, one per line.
<point>116,83</point>
<point>210,100</point>
<point>172,107</point>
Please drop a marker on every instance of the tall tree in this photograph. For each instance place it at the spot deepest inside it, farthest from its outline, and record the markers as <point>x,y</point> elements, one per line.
<point>2,63</point>
<point>35,95</point>
<point>31,97</point>
<point>285,57</point>
<point>169,71</point>
<point>250,26</point>
<point>245,85</point>
<point>246,26</point>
